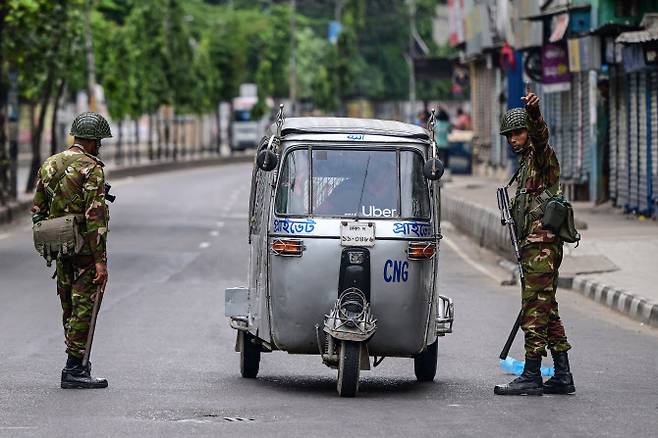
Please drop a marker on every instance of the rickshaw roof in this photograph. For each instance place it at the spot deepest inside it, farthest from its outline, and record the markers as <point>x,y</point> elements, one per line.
<point>349,125</point>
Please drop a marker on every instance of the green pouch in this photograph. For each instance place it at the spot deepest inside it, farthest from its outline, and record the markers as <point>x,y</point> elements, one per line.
<point>559,218</point>
<point>555,214</point>
<point>59,236</point>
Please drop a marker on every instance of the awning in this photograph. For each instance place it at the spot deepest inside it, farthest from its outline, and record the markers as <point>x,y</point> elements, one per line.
<point>650,33</point>
<point>641,36</point>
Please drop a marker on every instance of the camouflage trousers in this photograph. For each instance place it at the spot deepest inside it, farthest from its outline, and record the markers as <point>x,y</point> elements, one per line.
<point>540,319</point>
<point>75,289</point>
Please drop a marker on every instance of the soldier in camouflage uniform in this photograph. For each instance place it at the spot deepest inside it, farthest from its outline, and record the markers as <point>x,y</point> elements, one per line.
<point>80,191</point>
<point>541,252</point>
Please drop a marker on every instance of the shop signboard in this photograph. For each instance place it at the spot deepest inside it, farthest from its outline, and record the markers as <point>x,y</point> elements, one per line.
<point>555,68</point>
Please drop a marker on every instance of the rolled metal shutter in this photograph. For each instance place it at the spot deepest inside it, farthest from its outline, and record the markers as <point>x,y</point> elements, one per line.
<point>624,140</point>
<point>653,144</point>
<point>633,195</point>
<point>613,112</point>
<point>566,134</point>
<point>584,153</point>
<point>643,148</point>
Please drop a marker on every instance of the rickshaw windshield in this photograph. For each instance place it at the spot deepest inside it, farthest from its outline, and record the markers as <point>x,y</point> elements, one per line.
<point>354,183</point>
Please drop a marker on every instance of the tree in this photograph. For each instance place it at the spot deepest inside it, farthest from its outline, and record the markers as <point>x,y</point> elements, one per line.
<point>43,33</point>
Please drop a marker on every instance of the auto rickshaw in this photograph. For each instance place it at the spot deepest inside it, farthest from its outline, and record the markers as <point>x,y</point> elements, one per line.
<point>344,232</point>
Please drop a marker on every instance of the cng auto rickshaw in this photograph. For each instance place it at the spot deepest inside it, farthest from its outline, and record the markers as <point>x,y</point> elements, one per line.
<point>344,231</point>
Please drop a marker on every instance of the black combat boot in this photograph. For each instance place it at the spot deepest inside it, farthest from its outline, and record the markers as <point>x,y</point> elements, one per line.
<point>562,381</point>
<point>528,383</point>
<point>74,375</point>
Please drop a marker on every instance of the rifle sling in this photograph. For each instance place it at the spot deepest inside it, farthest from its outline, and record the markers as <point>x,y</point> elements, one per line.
<point>62,165</point>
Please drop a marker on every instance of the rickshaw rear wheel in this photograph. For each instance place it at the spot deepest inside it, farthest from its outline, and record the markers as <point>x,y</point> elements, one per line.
<point>249,355</point>
<point>425,363</point>
<point>349,366</point>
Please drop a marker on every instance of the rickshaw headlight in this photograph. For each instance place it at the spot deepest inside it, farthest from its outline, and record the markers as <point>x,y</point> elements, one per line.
<point>287,247</point>
<point>421,250</point>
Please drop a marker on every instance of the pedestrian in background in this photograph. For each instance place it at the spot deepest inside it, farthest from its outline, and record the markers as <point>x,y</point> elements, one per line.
<point>463,120</point>
<point>73,183</point>
<point>442,128</point>
<point>541,252</point>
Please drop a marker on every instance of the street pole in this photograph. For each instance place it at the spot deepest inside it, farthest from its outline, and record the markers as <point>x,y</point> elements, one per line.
<point>91,66</point>
<point>292,77</point>
<point>412,72</point>
<point>338,16</point>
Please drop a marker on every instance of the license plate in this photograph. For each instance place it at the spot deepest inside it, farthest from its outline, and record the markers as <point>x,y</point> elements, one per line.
<point>357,234</point>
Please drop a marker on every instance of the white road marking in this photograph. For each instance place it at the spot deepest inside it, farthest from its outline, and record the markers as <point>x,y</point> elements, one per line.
<point>477,266</point>
<point>204,245</point>
<point>214,233</point>
<point>17,427</point>
<point>4,236</point>
<point>220,224</point>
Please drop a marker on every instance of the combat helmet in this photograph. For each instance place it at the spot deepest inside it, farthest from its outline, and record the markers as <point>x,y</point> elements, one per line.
<point>515,118</point>
<point>92,126</point>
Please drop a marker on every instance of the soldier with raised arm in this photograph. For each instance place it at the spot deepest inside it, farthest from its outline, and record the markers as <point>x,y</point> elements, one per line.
<point>72,183</point>
<point>538,181</point>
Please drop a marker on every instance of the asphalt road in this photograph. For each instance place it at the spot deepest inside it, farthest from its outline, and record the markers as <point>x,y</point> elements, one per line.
<point>177,240</point>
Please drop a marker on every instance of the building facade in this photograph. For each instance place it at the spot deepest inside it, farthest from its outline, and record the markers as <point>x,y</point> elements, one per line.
<point>595,67</point>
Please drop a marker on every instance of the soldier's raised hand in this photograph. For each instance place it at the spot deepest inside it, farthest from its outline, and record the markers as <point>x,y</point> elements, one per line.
<point>531,101</point>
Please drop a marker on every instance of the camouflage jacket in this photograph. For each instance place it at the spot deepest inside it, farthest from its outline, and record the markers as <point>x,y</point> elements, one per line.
<point>81,191</point>
<point>539,170</point>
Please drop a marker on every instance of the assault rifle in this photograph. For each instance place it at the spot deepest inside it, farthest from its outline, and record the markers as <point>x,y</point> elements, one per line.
<point>98,297</point>
<point>109,196</point>
<point>506,219</point>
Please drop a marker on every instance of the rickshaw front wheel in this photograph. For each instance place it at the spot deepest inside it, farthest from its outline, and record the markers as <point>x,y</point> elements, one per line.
<point>249,355</point>
<point>425,363</point>
<point>348,368</point>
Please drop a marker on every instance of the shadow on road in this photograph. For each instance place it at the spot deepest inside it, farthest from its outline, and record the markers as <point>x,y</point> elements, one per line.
<point>374,386</point>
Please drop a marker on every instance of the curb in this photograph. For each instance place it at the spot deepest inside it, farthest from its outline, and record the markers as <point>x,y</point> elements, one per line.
<point>631,305</point>
<point>18,208</point>
<point>483,226</point>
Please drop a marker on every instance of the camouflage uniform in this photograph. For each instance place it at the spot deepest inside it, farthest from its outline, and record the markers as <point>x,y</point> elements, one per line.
<point>81,191</point>
<point>541,250</point>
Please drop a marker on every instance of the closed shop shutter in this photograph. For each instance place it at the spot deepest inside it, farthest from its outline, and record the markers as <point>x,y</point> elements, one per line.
<point>613,102</point>
<point>643,147</point>
<point>483,99</point>
<point>566,137</point>
<point>653,144</point>
<point>624,140</point>
<point>583,154</point>
<point>633,201</point>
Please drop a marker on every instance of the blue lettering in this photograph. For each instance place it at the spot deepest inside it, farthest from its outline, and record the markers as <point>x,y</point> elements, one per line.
<point>396,271</point>
<point>399,273</point>
<point>387,277</point>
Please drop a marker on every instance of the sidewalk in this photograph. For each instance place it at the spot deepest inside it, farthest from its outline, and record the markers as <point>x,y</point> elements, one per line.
<point>615,263</point>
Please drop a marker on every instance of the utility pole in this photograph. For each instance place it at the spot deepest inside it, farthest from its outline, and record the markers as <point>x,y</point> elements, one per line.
<point>292,76</point>
<point>338,17</point>
<point>412,72</point>
<point>91,65</point>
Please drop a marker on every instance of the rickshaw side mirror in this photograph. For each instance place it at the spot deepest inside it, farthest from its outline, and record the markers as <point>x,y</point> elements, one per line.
<point>433,169</point>
<point>267,160</point>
